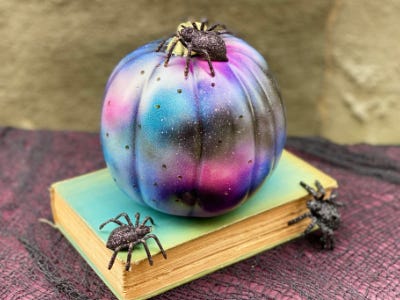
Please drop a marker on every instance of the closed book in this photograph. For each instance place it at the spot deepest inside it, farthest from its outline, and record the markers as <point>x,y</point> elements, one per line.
<point>194,246</point>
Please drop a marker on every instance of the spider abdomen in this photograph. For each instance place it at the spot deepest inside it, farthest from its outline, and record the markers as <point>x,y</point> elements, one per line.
<point>213,44</point>
<point>122,236</point>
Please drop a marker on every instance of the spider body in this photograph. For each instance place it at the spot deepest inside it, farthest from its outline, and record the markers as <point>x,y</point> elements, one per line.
<point>322,212</point>
<point>206,43</point>
<point>127,236</point>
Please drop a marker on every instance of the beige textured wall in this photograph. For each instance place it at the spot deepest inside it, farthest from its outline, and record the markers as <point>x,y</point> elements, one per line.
<point>337,63</point>
<point>361,98</point>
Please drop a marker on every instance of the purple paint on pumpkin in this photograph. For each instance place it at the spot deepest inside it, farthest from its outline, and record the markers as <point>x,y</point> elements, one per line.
<point>197,146</point>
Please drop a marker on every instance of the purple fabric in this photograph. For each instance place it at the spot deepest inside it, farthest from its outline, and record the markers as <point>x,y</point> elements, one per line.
<point>36,262</point>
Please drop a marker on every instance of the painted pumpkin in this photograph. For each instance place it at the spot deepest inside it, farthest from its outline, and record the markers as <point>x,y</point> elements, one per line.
<point>196,146</point>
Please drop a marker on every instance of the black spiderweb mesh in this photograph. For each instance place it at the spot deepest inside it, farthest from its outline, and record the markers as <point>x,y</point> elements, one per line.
<point>36,262</point>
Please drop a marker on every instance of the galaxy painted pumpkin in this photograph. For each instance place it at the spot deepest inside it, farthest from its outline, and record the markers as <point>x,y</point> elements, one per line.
<point>196,145</point>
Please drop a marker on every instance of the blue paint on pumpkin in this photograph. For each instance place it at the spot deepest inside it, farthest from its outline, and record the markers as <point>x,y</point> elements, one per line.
<point>193,147</point>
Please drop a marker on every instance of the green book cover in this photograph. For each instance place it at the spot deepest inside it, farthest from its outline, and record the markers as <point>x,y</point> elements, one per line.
<point>96,198</point>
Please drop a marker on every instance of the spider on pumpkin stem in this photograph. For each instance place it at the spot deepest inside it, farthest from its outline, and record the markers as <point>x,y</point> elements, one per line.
<point>198,40</point>
<point>323,212</point>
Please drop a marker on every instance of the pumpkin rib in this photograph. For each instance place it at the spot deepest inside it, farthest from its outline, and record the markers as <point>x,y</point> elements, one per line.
<point>135,128</point>
<point>254,125</point>
<point>143,50</point>
<point>272,124</point>
<point>130,175</point>
<point>254,79</point>
<point>200,128</point>
<point>273,87</point>
<point>239,46</point>
<point>282,109</point>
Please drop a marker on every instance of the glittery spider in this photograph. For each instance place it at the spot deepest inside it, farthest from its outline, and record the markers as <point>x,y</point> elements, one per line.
<point>198,40</point>
<point>322,212</point>
<point>126,237</point>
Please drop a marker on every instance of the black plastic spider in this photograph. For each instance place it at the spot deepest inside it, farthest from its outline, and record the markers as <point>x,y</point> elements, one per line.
<point>126,237</point>
<point>202,41</point>
<point>323,212</point>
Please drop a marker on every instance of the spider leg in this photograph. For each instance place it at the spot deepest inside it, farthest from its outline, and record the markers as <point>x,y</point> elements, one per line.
<point>209,61</point>
<point>146,248</point>
<point>327,239</point>
<point>116,221</point>
<point>195,26</point>
<point>223,32</point>
<point>129,257</point>
<point>309,189</point>
<point>332,199</point>
<point>137,217</point>
<point>320,188</point>
<point>162,43</point>
<point>310,226</point>
<point>333,195</point>
<point>188,58</point>
<point>215,26</point>
<point>299,218</point>
<point>337,203</point>
<point>112,260</point>
<point>125,215</point>
<point>204,22</point>
<point>109,221</point>
<point>148,219</point>
<point>153,236</point>
<point>173,45</point>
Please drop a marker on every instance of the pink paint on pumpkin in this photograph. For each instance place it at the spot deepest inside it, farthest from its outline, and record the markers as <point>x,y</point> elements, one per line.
<point>116,112</point>
<point>217,175</point>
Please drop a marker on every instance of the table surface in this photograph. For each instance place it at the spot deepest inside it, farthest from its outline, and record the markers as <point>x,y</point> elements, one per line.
<point>36,262</point>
